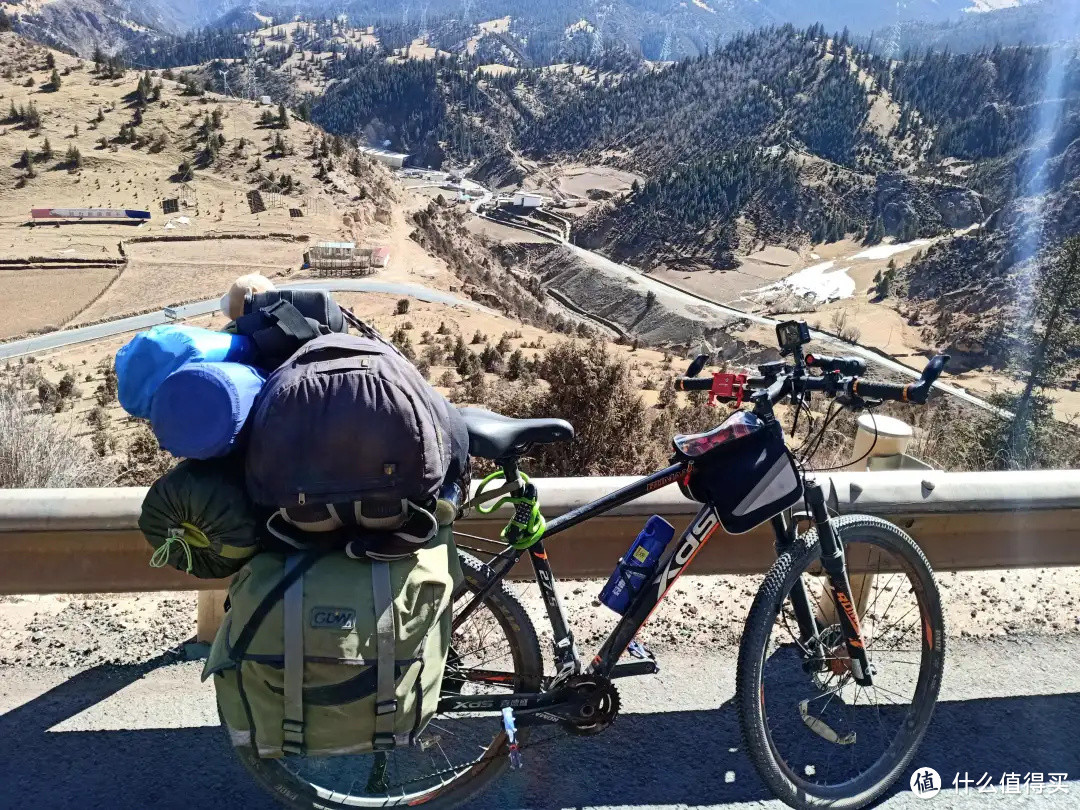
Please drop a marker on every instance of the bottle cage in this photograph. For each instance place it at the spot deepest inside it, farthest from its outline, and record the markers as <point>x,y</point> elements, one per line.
<point>527,525</point>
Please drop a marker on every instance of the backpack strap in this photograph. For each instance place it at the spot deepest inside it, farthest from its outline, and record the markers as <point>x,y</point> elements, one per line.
<point>278,330</point>
<point>386,704</point>
<point>273,596</point>
<point>292,724</point>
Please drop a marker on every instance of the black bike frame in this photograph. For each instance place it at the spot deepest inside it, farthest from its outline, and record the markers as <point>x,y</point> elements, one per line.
<point>605,662</point>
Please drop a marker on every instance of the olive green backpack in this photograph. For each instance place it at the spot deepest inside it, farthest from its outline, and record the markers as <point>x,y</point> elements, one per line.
<point>323,654</point>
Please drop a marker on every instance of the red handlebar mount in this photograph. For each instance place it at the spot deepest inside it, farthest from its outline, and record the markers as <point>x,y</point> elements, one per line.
<point>727,386</point>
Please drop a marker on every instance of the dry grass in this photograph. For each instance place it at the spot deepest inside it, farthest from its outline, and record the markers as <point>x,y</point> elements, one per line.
<point>28,451</point>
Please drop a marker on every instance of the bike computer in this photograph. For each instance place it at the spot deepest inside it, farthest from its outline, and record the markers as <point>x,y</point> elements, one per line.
<point>792,334</point>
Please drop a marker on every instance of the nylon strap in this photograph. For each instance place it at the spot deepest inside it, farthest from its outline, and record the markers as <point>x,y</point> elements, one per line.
<point>386,651</point>
<point>292,726</point>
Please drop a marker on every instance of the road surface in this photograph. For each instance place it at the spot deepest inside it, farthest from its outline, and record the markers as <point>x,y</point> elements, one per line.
<point>84,334</point>
<point>132,738</point>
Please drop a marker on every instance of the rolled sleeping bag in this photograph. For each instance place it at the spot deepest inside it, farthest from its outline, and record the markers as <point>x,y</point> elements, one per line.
<point>149,357</point>
<point>199,519</point>
<point>200,410</point>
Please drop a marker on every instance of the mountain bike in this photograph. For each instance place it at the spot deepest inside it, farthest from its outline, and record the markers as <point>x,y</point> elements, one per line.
<point>841,657</point>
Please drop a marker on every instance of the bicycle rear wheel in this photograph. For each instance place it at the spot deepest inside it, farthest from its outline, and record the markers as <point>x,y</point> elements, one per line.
<point>816,737</point>
<point>494,651</point>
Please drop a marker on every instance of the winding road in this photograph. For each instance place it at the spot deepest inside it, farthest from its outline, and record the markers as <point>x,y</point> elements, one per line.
<point>84,334</point>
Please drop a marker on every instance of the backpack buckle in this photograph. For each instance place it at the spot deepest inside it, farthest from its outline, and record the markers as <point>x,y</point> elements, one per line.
<point>386,707</point>
<point>383,742</point>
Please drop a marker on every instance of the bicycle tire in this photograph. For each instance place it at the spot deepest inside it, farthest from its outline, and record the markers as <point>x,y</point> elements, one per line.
<point>293,792</point>
<point>870,786</point>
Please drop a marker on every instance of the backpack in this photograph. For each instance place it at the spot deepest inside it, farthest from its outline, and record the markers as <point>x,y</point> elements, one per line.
<point>321,654</point>
<point>281,321</point>
<point>348,435</point>
<point>198,519</point>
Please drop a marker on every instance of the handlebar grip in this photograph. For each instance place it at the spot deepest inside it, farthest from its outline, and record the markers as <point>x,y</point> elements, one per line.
<point>693,383</point>
<point>850,366</point>
<point>916,392</point>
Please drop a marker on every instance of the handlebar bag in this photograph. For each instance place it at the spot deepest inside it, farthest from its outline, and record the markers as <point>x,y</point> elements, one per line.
<point>743,469</point>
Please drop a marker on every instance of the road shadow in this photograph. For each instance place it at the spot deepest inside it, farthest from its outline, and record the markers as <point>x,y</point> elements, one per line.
<point>666,758</point>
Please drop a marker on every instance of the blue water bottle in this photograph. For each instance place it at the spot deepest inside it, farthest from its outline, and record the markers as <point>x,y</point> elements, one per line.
<point>638,565</point>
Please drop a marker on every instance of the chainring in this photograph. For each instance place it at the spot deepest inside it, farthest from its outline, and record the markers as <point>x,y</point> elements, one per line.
<point>599,708</point>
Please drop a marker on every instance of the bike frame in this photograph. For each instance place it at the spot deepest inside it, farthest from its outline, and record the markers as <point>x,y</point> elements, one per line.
<point>675,561</point>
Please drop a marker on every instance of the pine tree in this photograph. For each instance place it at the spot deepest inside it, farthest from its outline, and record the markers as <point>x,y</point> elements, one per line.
<point>282,117</point>
<point>1049,337</point>
<point>46,150</point>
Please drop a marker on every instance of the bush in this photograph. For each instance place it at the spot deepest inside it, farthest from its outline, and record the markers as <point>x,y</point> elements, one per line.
<point>402,306</point>
<point>145,461</point>
<point>36,451</point>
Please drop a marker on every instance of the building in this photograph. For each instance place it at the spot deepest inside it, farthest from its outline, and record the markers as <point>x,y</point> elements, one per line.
<point>525,200</point>
<point>394,160</point>
<point>265,100</point>
<point>345,259</point>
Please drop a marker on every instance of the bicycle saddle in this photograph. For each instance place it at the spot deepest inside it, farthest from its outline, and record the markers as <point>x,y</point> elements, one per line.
<point>494,436</point>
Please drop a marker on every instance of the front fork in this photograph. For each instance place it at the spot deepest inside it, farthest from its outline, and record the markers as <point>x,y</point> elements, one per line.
<point>835,565</point>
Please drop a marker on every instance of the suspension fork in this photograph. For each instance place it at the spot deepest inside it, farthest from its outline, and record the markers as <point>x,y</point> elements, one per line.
<point>835,565</point>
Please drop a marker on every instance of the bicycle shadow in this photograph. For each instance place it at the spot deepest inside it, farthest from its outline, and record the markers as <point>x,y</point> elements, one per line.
<point>664,758</point>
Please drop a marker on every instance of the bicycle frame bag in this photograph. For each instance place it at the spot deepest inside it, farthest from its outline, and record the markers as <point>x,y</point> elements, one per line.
<point>281,321</point>
<point>198,519</point>
<point>743,469</point>
<point>323,654</point>
<point>349,433</point>
<point>148,358</point>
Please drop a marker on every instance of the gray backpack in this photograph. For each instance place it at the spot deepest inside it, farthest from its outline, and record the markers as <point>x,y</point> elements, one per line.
<point>349,441</point>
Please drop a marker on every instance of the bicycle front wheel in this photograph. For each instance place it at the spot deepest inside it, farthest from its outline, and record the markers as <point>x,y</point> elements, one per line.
<point>816,737</point>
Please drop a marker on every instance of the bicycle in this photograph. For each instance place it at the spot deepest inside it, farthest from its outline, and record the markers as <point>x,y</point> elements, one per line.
<point>835,647</point>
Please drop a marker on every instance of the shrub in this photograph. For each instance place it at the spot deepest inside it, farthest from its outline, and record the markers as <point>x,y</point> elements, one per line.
<point>37,451</point>
<point>402,307</point>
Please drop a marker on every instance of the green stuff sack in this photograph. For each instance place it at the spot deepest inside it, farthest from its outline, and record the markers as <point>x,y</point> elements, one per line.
<point>199,519</point>
<point>320,674</point>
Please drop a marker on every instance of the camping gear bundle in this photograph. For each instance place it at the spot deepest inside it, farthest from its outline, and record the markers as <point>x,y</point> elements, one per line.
<point>313,463</point>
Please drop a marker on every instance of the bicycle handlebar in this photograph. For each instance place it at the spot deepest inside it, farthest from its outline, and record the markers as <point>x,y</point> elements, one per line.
<point>780,385</point>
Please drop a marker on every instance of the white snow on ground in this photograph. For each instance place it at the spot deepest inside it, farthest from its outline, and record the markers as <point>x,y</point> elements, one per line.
<point>885,251</point>
<point>817,283</point>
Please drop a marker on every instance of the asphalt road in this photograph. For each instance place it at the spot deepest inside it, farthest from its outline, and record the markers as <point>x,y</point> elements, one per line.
<point>147,737</point>
<point>84,334</point>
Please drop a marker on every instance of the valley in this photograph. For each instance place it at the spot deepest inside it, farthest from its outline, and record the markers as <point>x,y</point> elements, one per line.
<point>682,205</point>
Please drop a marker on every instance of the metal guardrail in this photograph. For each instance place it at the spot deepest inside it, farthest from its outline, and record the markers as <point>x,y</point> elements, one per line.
<point>87,540</point>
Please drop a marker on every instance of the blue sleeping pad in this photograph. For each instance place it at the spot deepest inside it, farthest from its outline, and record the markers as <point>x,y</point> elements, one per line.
<point>200,410</point>
<point>149,357</point>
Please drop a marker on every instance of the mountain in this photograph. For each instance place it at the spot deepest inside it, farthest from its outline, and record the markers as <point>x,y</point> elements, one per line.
<point>81,26</point>
<point>536,33</point>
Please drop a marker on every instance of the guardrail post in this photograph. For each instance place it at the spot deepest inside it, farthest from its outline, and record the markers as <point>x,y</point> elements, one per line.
<point>211,613</point>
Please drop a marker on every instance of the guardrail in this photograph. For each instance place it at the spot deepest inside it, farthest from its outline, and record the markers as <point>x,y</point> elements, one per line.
<point>87,540</point>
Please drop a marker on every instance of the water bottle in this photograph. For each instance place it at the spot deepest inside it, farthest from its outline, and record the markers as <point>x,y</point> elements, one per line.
<point>638,565</point>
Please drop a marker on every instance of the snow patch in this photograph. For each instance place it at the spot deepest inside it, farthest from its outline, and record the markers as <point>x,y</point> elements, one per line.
<point>818,284</point>
<point>885,251</point>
